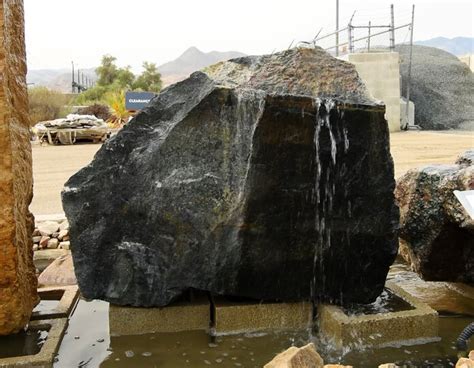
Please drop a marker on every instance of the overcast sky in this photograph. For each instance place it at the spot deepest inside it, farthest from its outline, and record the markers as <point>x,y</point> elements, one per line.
<point>58,31</point>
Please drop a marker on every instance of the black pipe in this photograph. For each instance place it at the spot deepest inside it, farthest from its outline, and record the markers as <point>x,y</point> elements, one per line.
<point>461,342</point>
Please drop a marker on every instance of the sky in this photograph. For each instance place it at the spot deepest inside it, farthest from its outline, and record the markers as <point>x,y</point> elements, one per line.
<point>61,31</point>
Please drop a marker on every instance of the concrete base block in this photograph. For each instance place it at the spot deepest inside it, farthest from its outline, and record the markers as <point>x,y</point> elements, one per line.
<point>412,326</point>
<point>45,358</point>
<point>66,296</point>
<point>173,318</point>
<point>232,318</point>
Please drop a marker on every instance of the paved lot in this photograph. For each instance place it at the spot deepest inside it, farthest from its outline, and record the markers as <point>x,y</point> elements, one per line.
<point>53,165</point>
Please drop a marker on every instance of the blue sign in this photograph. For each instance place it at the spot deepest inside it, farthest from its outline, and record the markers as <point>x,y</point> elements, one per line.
<point>138,100</point>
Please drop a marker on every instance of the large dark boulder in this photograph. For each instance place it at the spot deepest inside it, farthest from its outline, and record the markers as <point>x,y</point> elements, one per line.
<point>437,234</point>
<point>441,87</point>
<point>265,177</point>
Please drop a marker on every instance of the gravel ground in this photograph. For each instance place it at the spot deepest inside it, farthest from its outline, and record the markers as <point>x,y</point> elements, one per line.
<point>53,165</point>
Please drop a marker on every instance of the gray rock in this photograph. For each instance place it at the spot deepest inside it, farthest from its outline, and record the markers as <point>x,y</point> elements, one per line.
<point>47,228</point>
<point>265,177</point>
<point>441,87</point>
<point>64,225</point>
<point>466,159</point>
<point>65,245</point>
<point>62,234</point>
<point>52,243</point>
<point>36,239</point>
<point>43,258</point>
<point>437,234</point>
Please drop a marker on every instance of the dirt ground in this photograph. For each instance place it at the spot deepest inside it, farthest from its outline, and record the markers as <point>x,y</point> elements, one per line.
<point>53,165</point>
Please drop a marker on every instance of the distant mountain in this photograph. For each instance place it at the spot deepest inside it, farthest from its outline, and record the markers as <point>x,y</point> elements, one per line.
<point>191,60</point>
<point>456,46</point>
<point>56,79</point>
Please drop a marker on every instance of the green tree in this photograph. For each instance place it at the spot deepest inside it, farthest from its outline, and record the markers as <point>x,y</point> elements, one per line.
<point>124,78</point>
<point>107,71</point>
<point>149,80</point>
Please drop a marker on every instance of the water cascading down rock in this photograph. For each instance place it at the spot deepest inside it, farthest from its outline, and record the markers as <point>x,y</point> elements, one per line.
<point>266,177</point>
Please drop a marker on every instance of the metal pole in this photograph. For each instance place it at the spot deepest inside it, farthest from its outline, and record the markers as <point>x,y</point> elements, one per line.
<point>409,66</point>
<point>337,27</point>
<point>368,40</point>
<point>78,82</point>
<point>392,28</point>
<point>72,83</point>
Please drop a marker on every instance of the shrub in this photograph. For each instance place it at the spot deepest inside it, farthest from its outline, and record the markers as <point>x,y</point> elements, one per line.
<point>98,110</point>
<point>45,104</point>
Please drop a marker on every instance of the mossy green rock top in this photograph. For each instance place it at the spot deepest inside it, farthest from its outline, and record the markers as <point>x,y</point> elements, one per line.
<point>264,177</point>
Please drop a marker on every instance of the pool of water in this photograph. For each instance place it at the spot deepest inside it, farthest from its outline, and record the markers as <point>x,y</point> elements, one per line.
<point>387,302</point>
<point>89,344</point>
<point>23,343</point>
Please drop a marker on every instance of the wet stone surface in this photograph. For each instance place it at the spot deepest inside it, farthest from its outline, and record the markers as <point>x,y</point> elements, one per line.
<point>241,184</point>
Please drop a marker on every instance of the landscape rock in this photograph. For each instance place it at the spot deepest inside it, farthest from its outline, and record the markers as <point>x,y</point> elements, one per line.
<point>64,225</point>
<point>43,243</point>
<point>59,273</point>
<point>465,363</point>
<point>62,234</point>
<point>267,177</point>
<point>437,234</point>
<point>47,228</point>
<point>441,86</point>
<point>45,257</point>
<point>18,281</point>
<point>52,243</point>
<point>293,357</point>
<point>37,239</point>
<point>35,247</point>
<point>466,158</point>
<point>65,245</point>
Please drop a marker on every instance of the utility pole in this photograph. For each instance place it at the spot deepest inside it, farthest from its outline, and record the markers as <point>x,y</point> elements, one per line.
<point>392,28</point>
<point>368,39</point>
<point>72,83</point>
<point>337,27</point>
<point>409,66</point>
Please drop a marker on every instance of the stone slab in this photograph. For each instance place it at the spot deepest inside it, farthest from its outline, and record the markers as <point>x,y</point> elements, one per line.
<point>233,318</point>
<point>404,327</point>
<point>45,358</point>
<point>178,317</point>
<point>43,258</point>
<point>67,297</point>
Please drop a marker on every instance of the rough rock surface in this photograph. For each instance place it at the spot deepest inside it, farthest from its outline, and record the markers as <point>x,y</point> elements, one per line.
<point>17,274</point>
<point>58,273</point>
<point>265,177</point>
<point>293,357</point>
<point>441,87</point>
<point>437,234</point>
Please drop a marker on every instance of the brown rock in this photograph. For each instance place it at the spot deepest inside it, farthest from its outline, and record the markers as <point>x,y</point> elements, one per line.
<point>436,233</point>
<point>59,273</point>
<point>465,363</point>
<point>337,366</point>
<point>36,232</point>
<point>388,365</point>
<point>52,243</point>
<point>18,281</point>
<point>471,355</point>
<point>44,242</point>
<point>304,357</point>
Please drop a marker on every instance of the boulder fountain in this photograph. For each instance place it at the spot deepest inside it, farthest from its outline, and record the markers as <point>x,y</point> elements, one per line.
<point>265,177</point>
